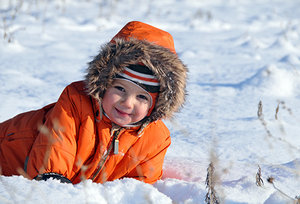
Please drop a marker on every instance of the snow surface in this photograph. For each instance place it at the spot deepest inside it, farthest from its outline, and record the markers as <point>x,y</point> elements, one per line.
<point>238,52</point>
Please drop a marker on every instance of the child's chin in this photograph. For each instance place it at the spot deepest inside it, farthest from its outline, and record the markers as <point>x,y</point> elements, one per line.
<point>120,122</point>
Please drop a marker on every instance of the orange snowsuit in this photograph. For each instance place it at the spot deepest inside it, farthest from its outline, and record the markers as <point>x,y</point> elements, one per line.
<point>73,137</point>
<point>79,141</point>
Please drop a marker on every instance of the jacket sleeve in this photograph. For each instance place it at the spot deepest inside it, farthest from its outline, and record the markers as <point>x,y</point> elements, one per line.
<point>150,169</point>
<point>55,147</point>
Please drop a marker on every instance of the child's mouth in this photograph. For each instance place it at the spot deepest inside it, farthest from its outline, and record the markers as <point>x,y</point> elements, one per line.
<point>122,113</point>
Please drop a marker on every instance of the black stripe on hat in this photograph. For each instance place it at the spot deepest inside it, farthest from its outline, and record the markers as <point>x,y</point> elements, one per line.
<point>142,76</point>
<point>149,88</point>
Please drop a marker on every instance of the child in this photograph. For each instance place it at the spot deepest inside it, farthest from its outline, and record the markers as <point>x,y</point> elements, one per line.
<point>108,126</point>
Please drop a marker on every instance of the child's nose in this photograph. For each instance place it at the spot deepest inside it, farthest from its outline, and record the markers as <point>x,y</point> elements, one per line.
<point>128,101</point>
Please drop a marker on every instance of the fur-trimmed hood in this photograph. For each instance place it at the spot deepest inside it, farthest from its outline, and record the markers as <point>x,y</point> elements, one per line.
<point>150,51</point>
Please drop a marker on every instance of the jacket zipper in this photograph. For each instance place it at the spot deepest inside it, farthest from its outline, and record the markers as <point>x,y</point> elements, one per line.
<point>113,145</point>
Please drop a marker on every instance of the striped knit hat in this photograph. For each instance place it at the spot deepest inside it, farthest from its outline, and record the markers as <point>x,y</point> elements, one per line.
<point>143,77</point>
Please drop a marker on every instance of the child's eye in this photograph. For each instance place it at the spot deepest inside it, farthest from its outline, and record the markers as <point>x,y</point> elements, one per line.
<point>143,97</point>
<point>119,88</point>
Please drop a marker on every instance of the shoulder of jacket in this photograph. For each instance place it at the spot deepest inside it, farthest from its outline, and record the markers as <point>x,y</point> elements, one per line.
<point>76,92</point>
<point>157,128</point>
<point>78,86</point>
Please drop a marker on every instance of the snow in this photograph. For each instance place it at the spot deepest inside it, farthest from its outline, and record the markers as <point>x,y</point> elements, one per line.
<point>239,53</point>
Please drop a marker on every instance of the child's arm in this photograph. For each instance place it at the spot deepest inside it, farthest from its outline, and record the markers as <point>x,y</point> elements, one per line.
<point>54,149</point>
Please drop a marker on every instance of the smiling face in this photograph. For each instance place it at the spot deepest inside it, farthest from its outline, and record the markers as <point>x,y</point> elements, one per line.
<point>125,102</point>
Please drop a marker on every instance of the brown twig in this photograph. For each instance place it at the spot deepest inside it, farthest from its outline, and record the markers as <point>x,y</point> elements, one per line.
<point>211,196</point>
<point>271,180</point>
<point>259,180</point>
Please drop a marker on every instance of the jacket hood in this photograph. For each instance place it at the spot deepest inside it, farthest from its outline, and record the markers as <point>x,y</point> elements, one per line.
<point>140,43</point>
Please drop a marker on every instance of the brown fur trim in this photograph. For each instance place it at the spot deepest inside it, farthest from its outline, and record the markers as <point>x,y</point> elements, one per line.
<point>167,67</point>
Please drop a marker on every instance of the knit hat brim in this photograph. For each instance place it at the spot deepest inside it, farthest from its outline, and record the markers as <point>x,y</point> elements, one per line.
<point>143,77</point>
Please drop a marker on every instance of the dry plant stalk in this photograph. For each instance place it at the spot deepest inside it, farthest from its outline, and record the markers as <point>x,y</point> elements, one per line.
<point>281,127</point>
<point>44,130</point>
<point>6,35</point>
<point>259,180</point>
<point>83,169</point>
<point>138,167</point>
<point>284,107</point>
<point>179,127</point>
<point>17,9</point>
<point>32,186</point>
<point>297,199</point>
<point>259,109</point>
<point>23,173</point>
<point>271,180</point>
<point>276,111</point>
<point>289,110</point>
<point>261,118</point>
<point>264,123</point>
<point>51,140</point>
<point>211,196</point>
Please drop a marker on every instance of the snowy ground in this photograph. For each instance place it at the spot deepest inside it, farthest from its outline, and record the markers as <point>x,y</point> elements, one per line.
<point>238,52</point>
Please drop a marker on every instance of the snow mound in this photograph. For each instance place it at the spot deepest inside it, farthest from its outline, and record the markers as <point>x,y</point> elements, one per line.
<point>127,191</point>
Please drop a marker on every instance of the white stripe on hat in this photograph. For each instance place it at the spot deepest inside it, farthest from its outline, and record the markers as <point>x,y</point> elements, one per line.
<point>139,80</point>
<point>149,76</point>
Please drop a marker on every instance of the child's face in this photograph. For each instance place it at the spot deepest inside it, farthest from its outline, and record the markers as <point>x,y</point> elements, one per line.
<point>126,103</point>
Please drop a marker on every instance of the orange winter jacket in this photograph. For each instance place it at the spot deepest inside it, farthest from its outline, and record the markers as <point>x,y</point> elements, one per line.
<point>73,138</point>
<point>69,138</point>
